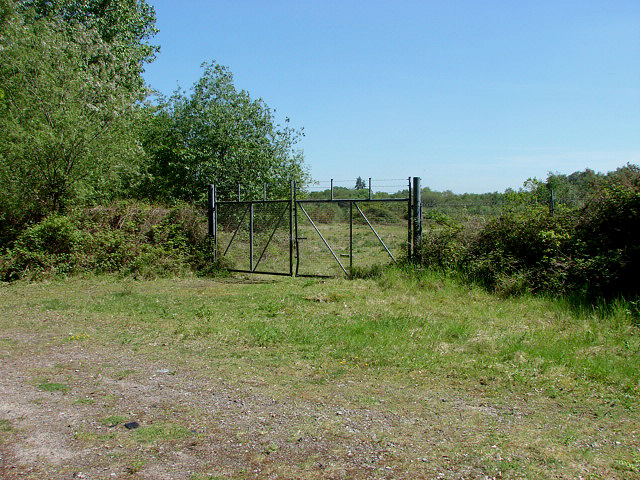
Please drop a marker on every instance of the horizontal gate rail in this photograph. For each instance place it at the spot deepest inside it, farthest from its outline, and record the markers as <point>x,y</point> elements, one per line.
<point>292,205</point>
<point>248,202</point>
<point>344,200</point>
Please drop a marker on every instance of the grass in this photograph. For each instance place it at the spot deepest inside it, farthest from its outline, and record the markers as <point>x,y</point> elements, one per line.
<point>113,420</point>
<point>53,387</point>
<point>5,425</point>
<point>161,432</point>
<point>525,386</point>
<point>388,325</point>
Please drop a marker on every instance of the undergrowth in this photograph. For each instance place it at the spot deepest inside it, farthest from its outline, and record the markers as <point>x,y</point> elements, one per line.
<point>590,252</point>
<point>128,238</point>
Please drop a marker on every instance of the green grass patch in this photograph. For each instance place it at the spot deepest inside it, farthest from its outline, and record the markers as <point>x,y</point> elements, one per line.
<point>5,425</point>
<point>53,387</point>
<point>161,432</point>
<point>113,420</point>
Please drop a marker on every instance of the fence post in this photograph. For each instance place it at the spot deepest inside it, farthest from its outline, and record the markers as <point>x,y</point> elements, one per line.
<point>369,188</point>
<point>552,205</point>
<point>211,218</point>
<point>351,239</point>
<point>417,215</point>
<point>332,189</point>
<point>251,236</point>
<point>291,207</point>
<point>295,224</point>
<point>211,206</point>
<point>409,222</point>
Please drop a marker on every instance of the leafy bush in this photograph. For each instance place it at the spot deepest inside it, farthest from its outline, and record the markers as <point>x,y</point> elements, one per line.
<point>530,245</point>
<point>53,245</point>
<point>130,238</point>
<point>443,243</point>
<point>606,247</point>
<point>591,250</point>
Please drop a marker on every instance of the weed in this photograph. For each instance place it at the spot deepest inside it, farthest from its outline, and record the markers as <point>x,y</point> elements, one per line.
<point>121,375</point>
<point>135,466</point>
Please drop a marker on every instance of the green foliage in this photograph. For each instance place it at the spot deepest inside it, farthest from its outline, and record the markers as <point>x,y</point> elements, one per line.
<point>606,247</point>
<point>129,238</point>
<point>126,25</point>
<point>6,12</point>
<point>218,135</point>
<point>442,245</point>
<point>54,245</point>
<point>590,249</point>
<point>531,243</point>
<point>66,115</point>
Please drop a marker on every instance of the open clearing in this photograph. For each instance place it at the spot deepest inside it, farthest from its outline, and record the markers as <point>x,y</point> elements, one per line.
<point>243,378</point>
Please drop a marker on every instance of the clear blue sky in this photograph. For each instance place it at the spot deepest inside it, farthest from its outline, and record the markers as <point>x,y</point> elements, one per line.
<point>470,95</point>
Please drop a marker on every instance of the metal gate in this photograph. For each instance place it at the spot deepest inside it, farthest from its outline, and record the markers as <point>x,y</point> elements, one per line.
<point>285,236</point>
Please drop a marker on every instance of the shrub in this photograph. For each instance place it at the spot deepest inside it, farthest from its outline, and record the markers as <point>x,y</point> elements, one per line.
<point>592,250</point>
<point>53,245</point>
<point>130,238</point>
<point>530,244</point>
<point>443,244</point>
<point>606,238</point>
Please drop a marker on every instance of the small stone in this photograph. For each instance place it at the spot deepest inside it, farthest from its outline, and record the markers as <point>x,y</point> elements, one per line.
<point>163,370</point>
<point>131,425</point>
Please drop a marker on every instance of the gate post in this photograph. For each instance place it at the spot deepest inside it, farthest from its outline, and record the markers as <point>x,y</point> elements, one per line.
<point>211,206</point>
<point>211,217</point>
<point>417,215</point>
<point>251,236</point>
<point>409,221</point>
<point>291,207</point>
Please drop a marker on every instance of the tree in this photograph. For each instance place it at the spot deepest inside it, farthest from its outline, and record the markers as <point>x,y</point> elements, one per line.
<point>65,118</point>
<point>360,183</point>
<point>126,25</point>
<point>220,135</point>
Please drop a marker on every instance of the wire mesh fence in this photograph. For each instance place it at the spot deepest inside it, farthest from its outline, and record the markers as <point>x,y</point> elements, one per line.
<point>317,232</point>
<point>254,237</point>
<point>360,233</point>
<point>332,227</point>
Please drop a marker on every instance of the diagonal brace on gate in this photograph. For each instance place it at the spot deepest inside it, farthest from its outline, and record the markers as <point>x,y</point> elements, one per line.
<point>323,239</point>
<point>236,230</point>
<point>374,231</point>
<point>284,210</point>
